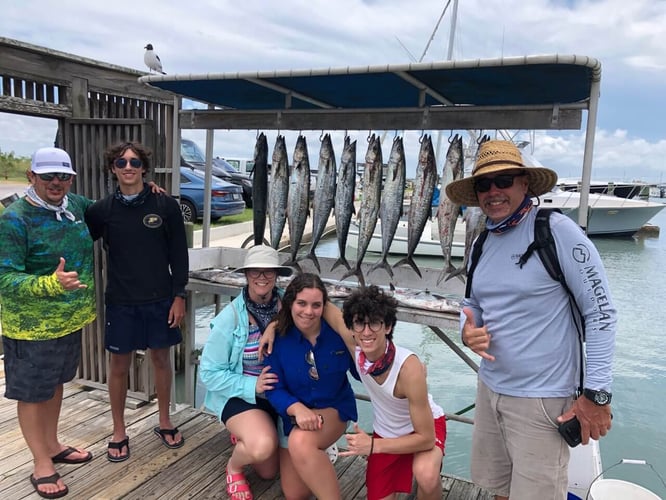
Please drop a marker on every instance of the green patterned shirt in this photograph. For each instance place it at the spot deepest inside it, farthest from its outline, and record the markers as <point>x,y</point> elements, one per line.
<point>34,304</point>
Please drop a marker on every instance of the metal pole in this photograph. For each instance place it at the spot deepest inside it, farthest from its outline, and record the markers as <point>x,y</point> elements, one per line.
<point>208,183</point>
<point>587,156</point>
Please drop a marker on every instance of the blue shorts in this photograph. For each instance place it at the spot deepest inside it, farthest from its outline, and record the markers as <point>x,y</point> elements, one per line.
<point>143,326</point>
<point>34,368</point>
<point>238,405</point>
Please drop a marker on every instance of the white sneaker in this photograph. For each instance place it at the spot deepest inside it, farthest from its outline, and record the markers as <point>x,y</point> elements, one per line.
<point>332,452</point>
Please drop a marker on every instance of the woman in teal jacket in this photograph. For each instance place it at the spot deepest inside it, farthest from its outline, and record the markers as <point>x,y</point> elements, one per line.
<point>234,374</point>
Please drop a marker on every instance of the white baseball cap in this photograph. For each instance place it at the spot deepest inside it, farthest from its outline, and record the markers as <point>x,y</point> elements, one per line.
<point>51,161</point>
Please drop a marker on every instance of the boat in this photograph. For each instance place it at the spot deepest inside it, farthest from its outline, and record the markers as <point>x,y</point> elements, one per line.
<point>607,215</point>
<point>620,189</point>
<point>429,244</point>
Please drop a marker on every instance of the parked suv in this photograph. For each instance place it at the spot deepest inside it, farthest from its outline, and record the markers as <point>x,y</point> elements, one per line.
<point>192,156</point>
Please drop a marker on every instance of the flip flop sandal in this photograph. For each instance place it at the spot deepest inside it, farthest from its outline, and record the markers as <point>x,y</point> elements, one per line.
<point>61,458</point>
<point>163,433</point>
<point>238,487</point>
<point>118,446</point>
<point>52,479</point>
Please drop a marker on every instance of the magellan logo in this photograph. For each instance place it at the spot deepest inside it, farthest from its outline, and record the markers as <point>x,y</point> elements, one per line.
<point>152,221</point>
<point>580,253</point>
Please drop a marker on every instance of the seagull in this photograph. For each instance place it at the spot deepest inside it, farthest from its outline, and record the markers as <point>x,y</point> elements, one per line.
<point>152,60</point>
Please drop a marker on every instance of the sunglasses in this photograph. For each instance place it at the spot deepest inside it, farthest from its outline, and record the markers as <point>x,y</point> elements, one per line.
<point>49,177</point>
<point>375,325</point>
<point>503,181</point>
<point>122,163</point>
<point>310,359</point>
<point>255,273</point>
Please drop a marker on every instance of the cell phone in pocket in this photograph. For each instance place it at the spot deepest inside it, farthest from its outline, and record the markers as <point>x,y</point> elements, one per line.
<point>570,431</point>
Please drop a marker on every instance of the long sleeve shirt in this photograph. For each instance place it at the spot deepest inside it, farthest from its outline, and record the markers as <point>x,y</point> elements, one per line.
<point>528,315</point>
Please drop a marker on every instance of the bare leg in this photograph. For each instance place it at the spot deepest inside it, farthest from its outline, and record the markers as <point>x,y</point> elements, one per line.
<point>163,374</point>
<point>257,443</point>
<point>119,369</point>
<point>38,421</point>
<point>427,472</point>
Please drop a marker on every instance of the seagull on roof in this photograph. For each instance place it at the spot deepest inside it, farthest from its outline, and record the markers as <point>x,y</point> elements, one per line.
<point>152,60</point>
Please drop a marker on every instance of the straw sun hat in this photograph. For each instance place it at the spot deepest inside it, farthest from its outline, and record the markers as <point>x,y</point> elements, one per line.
<point>264,257</point>
<point>494,157</point>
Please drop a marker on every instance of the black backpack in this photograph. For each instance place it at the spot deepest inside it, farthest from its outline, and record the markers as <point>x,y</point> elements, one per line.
<point>544,244</point>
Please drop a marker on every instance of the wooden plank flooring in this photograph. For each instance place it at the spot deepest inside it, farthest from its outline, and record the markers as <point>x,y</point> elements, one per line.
<point>153,471</point>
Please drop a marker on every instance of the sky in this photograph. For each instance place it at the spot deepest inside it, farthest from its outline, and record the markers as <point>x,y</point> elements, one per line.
<point>220,36</point>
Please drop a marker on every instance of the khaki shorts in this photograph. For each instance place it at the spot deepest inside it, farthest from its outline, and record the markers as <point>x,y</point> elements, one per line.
<point>516,448</point>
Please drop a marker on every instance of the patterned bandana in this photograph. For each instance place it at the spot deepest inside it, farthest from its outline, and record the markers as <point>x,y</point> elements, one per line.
<point>59,210</point>
<point>381,365</point>
<point>134,200</point>
<point>513,219</point>
<point>262,313</point>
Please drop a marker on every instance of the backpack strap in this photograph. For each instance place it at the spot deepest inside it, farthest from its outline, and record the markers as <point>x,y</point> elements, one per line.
<point>476,254</point>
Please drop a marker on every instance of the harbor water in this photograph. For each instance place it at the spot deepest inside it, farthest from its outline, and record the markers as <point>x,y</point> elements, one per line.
<point>638,287</point>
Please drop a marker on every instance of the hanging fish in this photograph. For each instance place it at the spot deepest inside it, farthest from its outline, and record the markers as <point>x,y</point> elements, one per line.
<point>369,210</point>
<point>344,199</point>
<point>390,207</point>
<point>324,195</point>
<point>260,188</point>
<point>298,200</point>
<point>420,205</point>
<point>279,191</point>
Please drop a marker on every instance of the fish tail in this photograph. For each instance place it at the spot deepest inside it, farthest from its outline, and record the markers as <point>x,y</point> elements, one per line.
<point>311,255</point>
<point>409,261</point>
<point>341,262</point>
<point>355,272</point>
<point>461,273</point>
<point>383,263</point>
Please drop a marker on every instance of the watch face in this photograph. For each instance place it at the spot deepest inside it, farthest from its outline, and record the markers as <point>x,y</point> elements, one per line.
<point>601,398</point>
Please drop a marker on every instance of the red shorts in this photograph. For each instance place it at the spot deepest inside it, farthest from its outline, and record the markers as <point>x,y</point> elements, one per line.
<point>392,473</point>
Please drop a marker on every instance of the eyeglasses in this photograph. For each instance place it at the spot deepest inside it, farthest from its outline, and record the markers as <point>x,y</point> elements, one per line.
<point>49,177</point>
<point>503,181</point>
<point>255,273</point>
<point>122,162</point>
<point>374,324</point>
<point>310,359</point>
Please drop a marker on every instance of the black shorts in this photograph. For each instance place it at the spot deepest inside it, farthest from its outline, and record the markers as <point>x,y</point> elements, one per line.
<point>34,368</point>
<point>143,326</point>
<point>237,405</point>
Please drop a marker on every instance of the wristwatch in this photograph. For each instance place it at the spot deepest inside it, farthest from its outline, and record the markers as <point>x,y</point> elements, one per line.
<point>182,295</point>
<point>600,398</point>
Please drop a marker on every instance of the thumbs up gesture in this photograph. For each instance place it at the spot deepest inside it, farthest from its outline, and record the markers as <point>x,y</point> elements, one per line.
<point>68,279</point>
<point>476,338</point>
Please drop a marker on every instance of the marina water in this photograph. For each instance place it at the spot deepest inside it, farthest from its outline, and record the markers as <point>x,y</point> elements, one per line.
<point>635,268</point>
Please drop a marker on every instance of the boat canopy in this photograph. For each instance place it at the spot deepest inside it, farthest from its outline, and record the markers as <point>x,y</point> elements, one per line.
<point>544,92</point>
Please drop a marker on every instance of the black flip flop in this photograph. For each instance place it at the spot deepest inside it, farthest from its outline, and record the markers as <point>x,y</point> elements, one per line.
<point>61,458</point>
<point>118,446</point>
<point>52,479</point>
<point>163,433</point>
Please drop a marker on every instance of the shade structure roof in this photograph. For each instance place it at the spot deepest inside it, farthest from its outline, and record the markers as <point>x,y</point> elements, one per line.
<point>537,92</point>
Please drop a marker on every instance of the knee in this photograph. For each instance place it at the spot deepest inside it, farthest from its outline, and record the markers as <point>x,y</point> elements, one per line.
<point>427,478</point>
<point>261,447</point>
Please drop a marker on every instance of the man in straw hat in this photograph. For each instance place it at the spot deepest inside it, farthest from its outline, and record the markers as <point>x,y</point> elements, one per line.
<point>520,321</point>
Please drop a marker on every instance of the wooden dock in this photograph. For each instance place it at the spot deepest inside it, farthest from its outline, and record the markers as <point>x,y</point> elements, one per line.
<point>153,471</point>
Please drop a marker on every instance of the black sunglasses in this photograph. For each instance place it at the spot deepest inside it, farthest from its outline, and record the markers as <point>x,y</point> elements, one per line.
<point>133,162</point>
<point>502,181</point>
<point>49,177</point>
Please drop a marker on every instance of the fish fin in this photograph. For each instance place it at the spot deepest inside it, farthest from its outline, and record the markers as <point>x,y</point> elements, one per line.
<point>409,261</point>
<point>383,263</point>
<point>311,255</point>
<point>461,273</point>
<point>341,262</point>
<point>355,272</point>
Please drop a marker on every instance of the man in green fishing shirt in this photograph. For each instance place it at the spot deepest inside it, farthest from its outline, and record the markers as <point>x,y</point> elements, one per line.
<point>47,296</point>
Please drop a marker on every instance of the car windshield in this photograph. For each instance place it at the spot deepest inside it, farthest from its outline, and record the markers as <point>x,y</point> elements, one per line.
<point>191,152</point>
